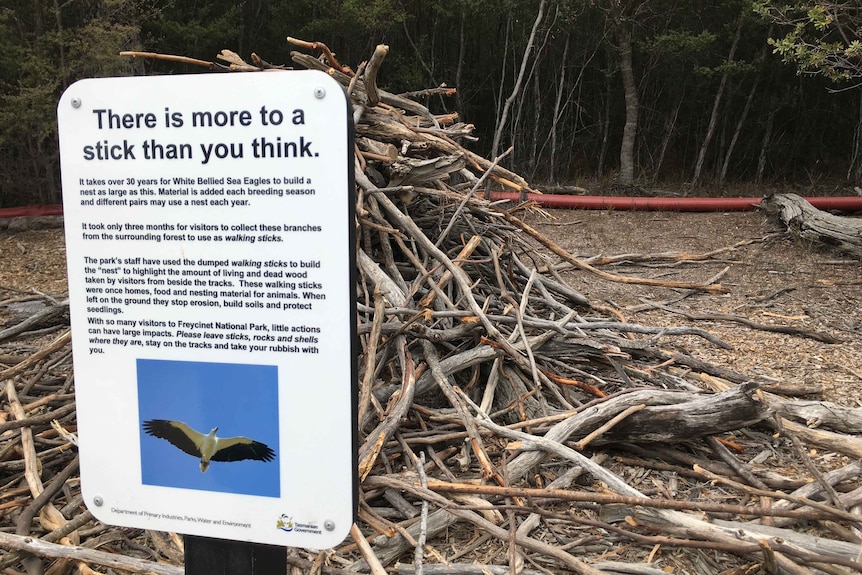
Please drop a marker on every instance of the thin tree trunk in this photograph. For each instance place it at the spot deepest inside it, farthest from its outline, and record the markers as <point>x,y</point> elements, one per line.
<point>555,119</point>
<point>670,129</point>
<point>459,70</point>
<point>534,140</point>
<point>60,43</point>
<point>603,152</point>
<point>504,115</point>
<point>535,104</point>
<point>37,18</point>
<point>737,131</point>
<point>713,119</point>
<point>854,172</point>
<point>498,99</point>
<point>418,53</point>
<point>623,34</point>
<point>767,136</point>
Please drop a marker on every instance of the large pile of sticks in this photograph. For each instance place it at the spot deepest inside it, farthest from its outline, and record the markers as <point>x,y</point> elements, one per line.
<point>507,424</point>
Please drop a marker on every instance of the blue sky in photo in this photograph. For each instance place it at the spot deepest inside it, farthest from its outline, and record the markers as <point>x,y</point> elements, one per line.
<point>239,399</point>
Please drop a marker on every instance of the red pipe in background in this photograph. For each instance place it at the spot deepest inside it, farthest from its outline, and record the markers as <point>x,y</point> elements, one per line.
<point>846,204</point>
<point>30,211</point>
<point>843,204</point>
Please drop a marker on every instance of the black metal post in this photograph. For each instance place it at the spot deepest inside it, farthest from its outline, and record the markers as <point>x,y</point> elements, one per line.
<point>208,556</point>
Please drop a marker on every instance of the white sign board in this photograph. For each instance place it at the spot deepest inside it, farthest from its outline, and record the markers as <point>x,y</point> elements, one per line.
<point>209,237</point>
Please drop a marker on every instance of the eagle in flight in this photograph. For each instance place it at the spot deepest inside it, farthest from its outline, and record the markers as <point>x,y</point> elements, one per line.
<point>207,446</point>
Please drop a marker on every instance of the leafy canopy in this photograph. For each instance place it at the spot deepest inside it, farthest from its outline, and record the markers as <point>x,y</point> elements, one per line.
<point>820,36</point>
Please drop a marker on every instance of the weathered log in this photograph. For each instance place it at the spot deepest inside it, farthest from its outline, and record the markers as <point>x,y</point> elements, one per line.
<point>826,414</point>
<point>383,152</point>
<point>410,171</point>
<point>697,417</point>
<point>46,315</point>
<point>846,444</point>
<point>816,226</point>
<point>668,417</point>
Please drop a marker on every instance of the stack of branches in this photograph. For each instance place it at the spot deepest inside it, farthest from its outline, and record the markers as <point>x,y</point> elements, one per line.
<point>42,509</point>
<point>507,424</point>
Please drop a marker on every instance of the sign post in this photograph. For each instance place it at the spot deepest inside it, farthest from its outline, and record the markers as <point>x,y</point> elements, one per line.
<point>210,232</point>
<point>205,556</point>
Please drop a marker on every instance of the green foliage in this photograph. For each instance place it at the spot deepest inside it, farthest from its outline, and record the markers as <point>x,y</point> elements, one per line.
<point>43,49</point>
<point>680,43</point>
<point>680,50</point>
<point>820,37</point>
<point>199,29</point>
<point>373,16</point>
<point>734,68</point>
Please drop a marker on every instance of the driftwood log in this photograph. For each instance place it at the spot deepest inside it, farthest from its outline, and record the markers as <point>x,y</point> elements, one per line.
<point>809,224</point>
<point>506,420</point>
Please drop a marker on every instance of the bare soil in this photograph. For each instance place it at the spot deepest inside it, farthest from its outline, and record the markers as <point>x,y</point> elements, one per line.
<point>773,280</point>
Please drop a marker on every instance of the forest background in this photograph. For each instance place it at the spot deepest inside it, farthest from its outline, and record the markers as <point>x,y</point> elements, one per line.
<point>614,95</point>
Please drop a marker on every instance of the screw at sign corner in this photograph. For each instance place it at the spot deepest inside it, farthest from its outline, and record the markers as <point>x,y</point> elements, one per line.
<point>329,525</point>
<point>76,102</point>
<point>319,92</point>
<point>98,501</point>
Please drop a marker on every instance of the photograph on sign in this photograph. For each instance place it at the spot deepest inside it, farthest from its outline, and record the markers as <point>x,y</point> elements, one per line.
<point>210,250</point>
<point>210,426</point>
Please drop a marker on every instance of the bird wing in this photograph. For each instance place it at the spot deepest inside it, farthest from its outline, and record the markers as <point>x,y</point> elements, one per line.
<point>238,448</point>
<point>177,433</point>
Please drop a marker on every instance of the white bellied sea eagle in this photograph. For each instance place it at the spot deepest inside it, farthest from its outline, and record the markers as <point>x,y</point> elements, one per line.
<point>208,447</point>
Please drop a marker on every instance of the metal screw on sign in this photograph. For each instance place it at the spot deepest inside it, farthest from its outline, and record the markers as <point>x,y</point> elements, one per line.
<point>319,92</point>
<point>76,102</point>
<point>98,501</point>
<point>329,525</point>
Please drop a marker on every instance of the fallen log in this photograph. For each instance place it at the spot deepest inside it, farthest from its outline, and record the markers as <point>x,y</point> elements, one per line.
<point>821,413</point>
<point>693,416</point>
<point>817,227</point>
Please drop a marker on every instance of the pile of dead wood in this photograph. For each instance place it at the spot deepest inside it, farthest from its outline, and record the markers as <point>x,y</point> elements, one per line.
<point>504,418</point>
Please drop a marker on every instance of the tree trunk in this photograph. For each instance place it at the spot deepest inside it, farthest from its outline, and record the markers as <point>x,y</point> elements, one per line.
<point>606,125</point>
<point>61,49</point>
<point>507,105</point>
<point>737,131</point>
<point>537,115</point>
<point>498,97</point>
<point>623,35</point>
<point>767,136</point>
<point>713,119</point>
<point>419,56</point>
<point>555,119</point>
<point>670,129</point>
<point>854,172</point>
<point>459,70</point>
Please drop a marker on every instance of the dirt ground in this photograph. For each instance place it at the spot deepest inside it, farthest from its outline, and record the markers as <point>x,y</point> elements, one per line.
<point>772,279</point>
